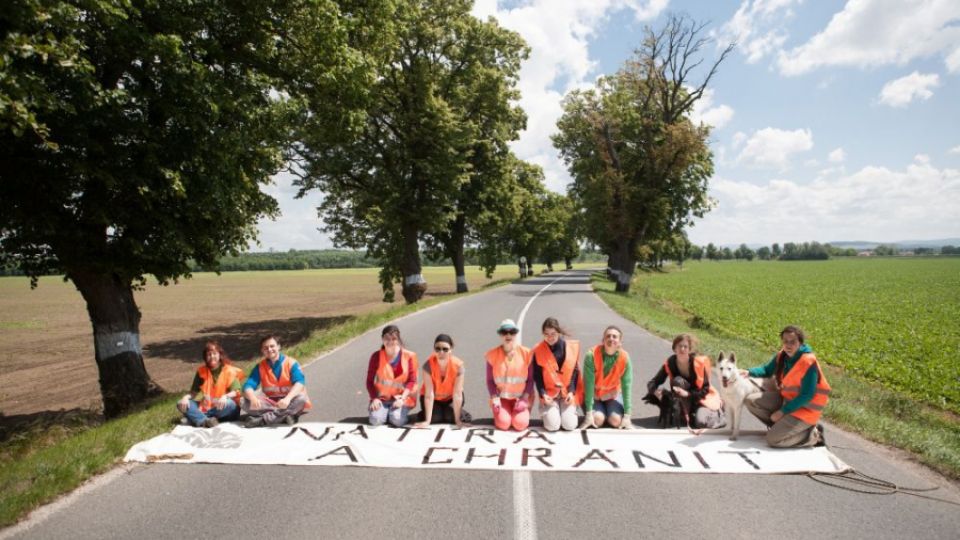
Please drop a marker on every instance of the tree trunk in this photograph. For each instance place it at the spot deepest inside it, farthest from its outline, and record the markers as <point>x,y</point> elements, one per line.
<point>124,381</point>
<point>457,235</point>
<point>413,283</point>
<point>625,258</point>
<point>529,266</point>
<point>569,263</point>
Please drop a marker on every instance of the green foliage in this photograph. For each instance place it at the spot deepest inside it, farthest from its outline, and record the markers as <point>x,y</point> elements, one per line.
<point>878,413</point>
<point>438,118</point>
<point>640,166</point>
<point>135,136</point>
<point>807,251</point>
<point>884,320</point>
<point>885,250</point>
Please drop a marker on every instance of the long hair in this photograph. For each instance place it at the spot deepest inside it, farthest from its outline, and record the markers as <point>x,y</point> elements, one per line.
<point>215,345</point>
<point>392,329</point>
<point>552,322</point>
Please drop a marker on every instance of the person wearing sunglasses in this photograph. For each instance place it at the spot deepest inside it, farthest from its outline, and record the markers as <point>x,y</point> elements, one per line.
<point>391,380</point>
<point>441,396</point>
<point>509,379</point>
<point>795,393</point>
<point>607,378</point>
<point>555,374</point>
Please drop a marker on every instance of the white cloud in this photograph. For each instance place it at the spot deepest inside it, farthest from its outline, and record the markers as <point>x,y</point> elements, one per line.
<point>837,156</point>
<point>874,203</point>
<point>772,147</point>
<point>704,111</point>
<point>296,228</point>
<point>900,92</point>
<point>738,139</point>
<point>954,150</point>
<point>879,32</point>
<point>758,27</point>
<point>558,33</point>
<point>953,61</point>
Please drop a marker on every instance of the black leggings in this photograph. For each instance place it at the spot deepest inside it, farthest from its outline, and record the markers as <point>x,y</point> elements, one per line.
<point>442,411</point>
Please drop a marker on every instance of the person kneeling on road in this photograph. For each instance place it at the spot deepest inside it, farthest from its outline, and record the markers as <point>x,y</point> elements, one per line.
<point>607,379</point>
<point>792,409</point>
<point>283,397</point>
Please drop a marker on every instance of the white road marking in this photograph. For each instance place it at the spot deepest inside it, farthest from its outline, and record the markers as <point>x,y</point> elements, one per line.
<point>524,518</point>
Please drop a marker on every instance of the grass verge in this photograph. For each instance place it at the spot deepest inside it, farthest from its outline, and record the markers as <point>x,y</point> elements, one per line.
<point>876,413</point>
<point>56,454</point>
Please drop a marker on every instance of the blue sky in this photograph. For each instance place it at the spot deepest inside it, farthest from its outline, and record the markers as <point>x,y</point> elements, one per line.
<point>832,120</point>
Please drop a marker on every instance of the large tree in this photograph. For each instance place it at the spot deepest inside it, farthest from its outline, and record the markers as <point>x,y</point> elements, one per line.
<point>640,165</point>
<point>440,100</point>
<point>135,136</point>
<point>485,106</point>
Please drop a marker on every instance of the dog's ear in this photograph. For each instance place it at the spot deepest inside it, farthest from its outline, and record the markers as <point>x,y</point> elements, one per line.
<point>720,358</point>
<point>733,358</point>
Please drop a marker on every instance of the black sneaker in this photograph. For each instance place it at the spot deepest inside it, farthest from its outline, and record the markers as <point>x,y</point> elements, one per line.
<point>821,441</point>
<point>211,422</point>
<point>290,420</point>
<point>255,421</point>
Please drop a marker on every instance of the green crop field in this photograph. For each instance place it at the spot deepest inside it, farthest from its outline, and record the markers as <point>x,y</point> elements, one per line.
<point>894,321</point>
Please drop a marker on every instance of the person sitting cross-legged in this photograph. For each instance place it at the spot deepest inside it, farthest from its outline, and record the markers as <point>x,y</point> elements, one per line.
<point>282,396</point>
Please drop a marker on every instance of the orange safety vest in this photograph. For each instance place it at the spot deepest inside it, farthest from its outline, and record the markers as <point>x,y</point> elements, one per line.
<point>608,386</point>
<point>389,385</point>
<point>214,390</point>
<point>556,380</point>
<point>509,374</point>
<point>701,368</point>
<point>443,383</point>
<point>790,388</point>
<point>278,388</point>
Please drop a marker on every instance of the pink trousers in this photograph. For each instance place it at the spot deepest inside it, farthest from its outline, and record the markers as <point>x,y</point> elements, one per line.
<point>505,418</point>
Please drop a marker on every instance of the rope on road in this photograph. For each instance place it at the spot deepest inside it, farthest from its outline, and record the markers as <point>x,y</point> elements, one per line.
<point>858,482</point>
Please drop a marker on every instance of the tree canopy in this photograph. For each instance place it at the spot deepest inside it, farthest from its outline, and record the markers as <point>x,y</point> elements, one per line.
<point>640,165</point>
<point>135,137</point>
<point>438,117</point>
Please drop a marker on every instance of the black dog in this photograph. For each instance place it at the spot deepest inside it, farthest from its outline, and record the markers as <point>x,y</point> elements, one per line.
<point>671,409</point>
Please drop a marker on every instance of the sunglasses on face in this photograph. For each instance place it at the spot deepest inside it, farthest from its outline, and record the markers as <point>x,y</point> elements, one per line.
<point>511,332</point>
<point>442,349</point>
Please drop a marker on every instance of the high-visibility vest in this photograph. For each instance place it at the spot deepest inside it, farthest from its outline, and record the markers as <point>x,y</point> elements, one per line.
<point>443,383</point>
<point>277,388</point>
<point>607,386</point>
<point>556,380</point>
<point>509,374</point>
<point>390,385</point>
<point>701,368</point>
<point>790,388</point>
<point>212,391</point>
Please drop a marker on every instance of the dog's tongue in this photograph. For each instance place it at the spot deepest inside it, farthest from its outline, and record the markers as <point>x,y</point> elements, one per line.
<point>725,383</point>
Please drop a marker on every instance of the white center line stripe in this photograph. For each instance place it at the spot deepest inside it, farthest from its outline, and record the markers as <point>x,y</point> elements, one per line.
<point>524,518</point>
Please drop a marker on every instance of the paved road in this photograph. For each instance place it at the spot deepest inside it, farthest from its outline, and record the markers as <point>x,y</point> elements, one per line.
<point>223,501</point>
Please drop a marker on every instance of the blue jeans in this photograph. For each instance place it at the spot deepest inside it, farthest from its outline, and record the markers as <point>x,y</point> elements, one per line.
<point>386,413</point>
<point>610,406</point>
<point>196,417</point>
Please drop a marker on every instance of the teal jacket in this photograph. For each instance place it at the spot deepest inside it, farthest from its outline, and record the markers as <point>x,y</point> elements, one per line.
<point>808,387</point>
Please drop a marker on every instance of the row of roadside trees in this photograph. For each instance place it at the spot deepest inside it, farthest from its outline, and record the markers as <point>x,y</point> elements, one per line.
<point>136,138</point>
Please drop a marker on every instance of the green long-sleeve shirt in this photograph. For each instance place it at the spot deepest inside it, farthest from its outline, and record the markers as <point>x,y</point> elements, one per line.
<point>590,380</point>
<point>808,385</point>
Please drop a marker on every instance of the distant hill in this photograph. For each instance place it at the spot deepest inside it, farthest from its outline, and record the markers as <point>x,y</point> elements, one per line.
<point>901,244</point>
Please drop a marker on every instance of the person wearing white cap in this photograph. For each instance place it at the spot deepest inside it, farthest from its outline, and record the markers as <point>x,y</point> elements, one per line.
<point>510,379</point>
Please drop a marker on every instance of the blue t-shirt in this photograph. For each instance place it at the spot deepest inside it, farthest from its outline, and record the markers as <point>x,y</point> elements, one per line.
<point>296,375</point>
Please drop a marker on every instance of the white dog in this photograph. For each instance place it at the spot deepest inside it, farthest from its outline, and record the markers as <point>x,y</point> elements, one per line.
<point>734,391</point>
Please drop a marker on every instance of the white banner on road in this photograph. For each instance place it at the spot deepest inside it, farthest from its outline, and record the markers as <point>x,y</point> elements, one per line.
<point>446,447</point>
